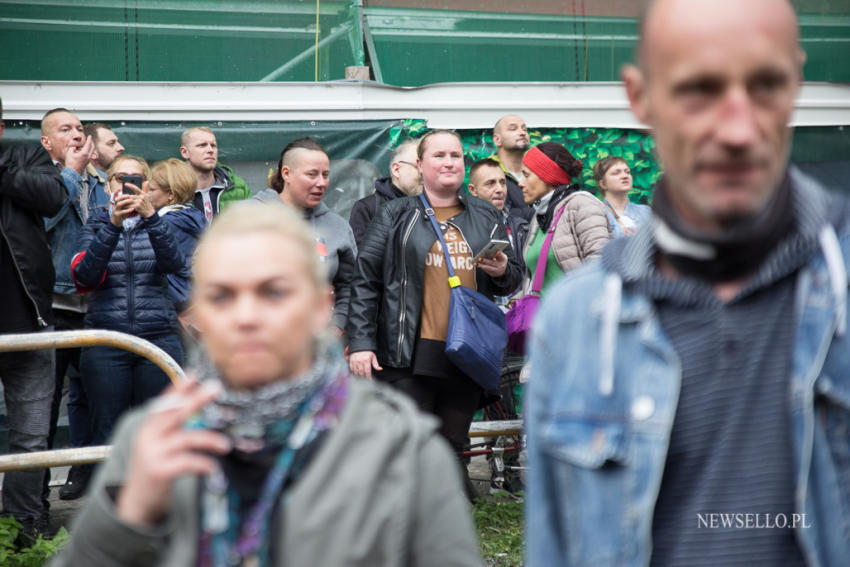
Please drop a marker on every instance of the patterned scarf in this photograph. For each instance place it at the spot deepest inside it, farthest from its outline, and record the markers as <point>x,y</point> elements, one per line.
<point>278,421</point>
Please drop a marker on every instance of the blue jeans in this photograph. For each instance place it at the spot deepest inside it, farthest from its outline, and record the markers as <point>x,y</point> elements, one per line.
<point>116,380</point>
<point>28,387</point>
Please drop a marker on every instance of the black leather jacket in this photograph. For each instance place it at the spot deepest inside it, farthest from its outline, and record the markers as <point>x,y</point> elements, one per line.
<point>30,187</point>
<point>386,295</point>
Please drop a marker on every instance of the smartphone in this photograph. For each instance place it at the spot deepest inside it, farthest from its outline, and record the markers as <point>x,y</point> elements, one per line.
<point>493,247</point>
<point>133,179</point>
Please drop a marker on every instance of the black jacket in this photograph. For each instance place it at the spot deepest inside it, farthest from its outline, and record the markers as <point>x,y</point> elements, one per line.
<point>30,188</point>
<point>386,295</point>
<point>515,201</point>
<point>366,208</point>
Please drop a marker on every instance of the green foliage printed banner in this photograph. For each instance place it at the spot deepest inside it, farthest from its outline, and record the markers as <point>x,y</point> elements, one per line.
<point>587,144</point>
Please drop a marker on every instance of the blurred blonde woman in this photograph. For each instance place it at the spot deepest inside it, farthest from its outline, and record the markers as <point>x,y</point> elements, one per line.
<point>172,189</point>
<point>278,456</point>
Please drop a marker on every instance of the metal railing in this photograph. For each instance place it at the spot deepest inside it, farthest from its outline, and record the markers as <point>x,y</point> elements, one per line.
<point>74,339</point>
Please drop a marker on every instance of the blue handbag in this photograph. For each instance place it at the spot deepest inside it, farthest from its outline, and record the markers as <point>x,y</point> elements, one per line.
<point>476,338</point>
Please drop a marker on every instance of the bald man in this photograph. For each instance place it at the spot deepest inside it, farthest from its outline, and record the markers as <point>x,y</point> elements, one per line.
<point>510,136</point>
<point>689,395</point>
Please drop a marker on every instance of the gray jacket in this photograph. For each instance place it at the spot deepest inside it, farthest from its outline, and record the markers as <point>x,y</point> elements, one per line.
<point>341,251</point>
<point>383,489</point>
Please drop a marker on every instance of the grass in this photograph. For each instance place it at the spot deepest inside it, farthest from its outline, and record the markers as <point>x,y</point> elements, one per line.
<point>33,553</point>
<point>498,519</point>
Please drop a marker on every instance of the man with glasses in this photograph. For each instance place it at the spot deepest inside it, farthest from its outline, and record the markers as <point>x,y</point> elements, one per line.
<point>403,181</point>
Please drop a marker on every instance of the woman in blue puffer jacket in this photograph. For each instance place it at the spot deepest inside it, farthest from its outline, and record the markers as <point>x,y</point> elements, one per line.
<point>123,258</point>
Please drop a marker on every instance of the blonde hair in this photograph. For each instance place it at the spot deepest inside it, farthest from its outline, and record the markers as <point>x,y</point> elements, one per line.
<point>254,216</point>
<point>146,169</point>
<point>187,134</point>
<point>175,176</point>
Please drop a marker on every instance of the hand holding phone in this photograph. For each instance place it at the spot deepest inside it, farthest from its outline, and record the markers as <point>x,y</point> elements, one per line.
<point>492,248</point>
<point>132,180</point>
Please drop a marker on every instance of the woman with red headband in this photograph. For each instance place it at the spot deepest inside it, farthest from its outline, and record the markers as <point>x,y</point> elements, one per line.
<point>576,218</point>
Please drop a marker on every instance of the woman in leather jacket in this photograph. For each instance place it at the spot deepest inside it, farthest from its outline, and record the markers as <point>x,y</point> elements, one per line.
<point>124,256</point>
<point>400,296</point>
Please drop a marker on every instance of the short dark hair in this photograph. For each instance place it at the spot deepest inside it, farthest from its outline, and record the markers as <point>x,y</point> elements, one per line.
<point>91,129</point>
<point>306,143</point>
<point>486,162</point>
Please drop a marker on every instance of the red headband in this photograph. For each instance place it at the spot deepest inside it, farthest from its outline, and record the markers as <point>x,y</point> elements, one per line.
<point>546,169</point>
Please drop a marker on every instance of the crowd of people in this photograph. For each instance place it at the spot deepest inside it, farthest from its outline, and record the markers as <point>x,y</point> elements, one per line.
<point>691,365</point>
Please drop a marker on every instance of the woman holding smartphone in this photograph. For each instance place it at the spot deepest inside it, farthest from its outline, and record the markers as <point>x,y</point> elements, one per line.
<point>278,456</point>
<point>123,257</point>
<point>400,295</point>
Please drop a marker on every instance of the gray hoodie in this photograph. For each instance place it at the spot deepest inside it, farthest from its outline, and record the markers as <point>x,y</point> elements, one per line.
<point>340,250</point>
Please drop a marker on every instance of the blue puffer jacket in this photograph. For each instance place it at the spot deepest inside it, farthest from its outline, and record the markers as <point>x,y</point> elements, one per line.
<point>187,223</point>
<point>127,272</point>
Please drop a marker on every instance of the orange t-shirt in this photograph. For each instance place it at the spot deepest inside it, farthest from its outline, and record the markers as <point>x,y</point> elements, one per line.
<point>436,292</point>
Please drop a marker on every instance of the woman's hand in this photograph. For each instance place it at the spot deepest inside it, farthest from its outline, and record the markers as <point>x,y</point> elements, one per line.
<point>143,204</point>
<point>362,362</point>
<point>495,265</point>
<point>163,450</point>
<point>123,207</point>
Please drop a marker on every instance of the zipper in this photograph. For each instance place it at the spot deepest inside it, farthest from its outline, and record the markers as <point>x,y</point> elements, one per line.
<point>128,250</point>
<point>38,317</point>
<point>404,283</point>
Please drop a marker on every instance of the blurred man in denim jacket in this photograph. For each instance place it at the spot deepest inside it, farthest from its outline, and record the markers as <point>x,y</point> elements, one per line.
<point>689,399</point>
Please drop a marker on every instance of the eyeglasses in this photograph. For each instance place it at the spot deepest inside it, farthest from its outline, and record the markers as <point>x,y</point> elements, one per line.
<point>119,177</point>
<point>408,163</point>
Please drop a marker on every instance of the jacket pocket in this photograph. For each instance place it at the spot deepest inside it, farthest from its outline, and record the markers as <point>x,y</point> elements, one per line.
<point>832,407</point>
<point>591,469</point>
<point>586,444</point>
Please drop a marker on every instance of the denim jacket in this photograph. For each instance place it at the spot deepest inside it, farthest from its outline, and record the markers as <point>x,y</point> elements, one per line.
<point>603,393</point>
<point>63,228</point>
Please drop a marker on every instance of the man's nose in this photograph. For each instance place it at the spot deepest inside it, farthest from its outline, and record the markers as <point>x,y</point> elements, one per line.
<point>737,124</point>
<point>119,147</point>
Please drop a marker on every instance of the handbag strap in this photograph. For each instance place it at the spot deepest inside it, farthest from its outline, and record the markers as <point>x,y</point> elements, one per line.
<point>454,281</point>
<point>540,269</point>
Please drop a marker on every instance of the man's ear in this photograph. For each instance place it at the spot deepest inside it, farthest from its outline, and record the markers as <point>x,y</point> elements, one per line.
<point>46,143</point>
<point>184,152</point>
<point>93,155</point>
<point>497,140</point>
<point>636,91</point>
<point>472,190</point>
